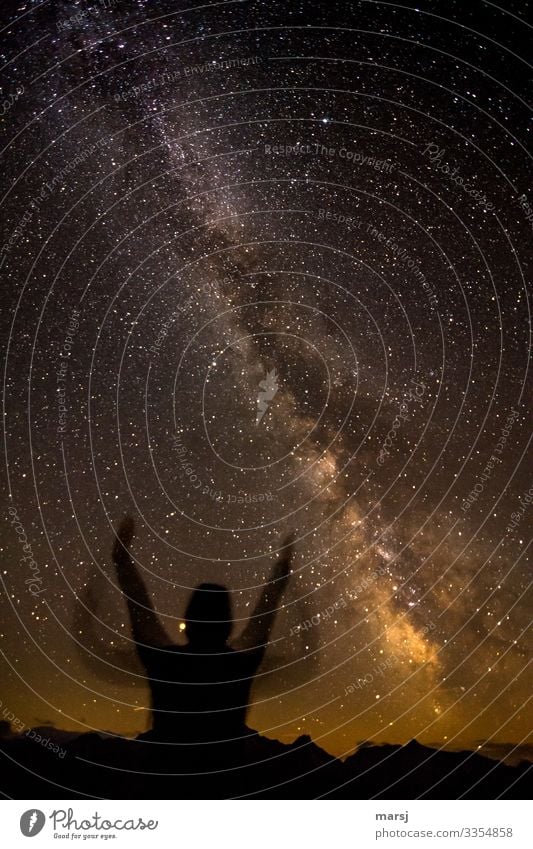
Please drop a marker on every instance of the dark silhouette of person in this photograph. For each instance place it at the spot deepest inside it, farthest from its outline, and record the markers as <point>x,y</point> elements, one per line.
<point>199,692</point>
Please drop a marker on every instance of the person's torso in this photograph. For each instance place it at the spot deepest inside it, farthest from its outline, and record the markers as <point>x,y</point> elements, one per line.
<point>197,697</point>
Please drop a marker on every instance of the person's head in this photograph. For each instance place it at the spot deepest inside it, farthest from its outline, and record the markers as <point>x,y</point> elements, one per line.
<point>208,618</point>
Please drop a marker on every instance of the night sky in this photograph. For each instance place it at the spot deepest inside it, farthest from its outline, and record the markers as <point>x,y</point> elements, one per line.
<point>264,268</point>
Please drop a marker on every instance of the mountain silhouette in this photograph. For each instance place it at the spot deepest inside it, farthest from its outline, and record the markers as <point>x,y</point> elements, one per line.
<point>267,769</point>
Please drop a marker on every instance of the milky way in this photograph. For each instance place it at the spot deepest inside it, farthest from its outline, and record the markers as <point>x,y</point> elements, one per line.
<point>264,268</point>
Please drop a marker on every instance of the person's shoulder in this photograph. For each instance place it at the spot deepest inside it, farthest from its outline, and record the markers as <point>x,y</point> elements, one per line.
<point>249,656</point>
<point>159,654</point>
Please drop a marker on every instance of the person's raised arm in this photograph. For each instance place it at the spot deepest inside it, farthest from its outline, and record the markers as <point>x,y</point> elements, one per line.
<point>257,633</point>
<point>146,627</point>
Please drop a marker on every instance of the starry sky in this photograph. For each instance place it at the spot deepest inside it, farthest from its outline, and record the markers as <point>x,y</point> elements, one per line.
<point>264,268</point>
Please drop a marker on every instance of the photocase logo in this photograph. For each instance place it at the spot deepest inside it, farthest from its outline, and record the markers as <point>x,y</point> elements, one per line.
<point>268,389</point>
<point>32,822</point>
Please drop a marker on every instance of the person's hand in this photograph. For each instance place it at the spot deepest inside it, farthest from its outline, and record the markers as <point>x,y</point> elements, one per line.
<point>123,540</point>
<point>283,566</point>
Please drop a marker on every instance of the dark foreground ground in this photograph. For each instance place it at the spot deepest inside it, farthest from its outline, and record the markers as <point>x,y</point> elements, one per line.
<point>111,767</point>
